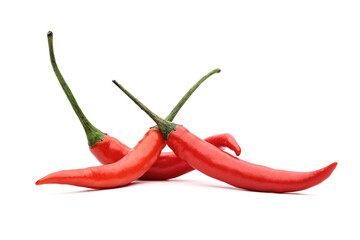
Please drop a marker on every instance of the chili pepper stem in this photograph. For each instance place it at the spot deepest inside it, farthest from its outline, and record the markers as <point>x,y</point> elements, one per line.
<point>176,109</point>
<point>164,126</point>
<point>93,134</point>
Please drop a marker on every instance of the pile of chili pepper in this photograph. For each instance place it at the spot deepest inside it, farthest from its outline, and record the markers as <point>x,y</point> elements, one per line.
<point>122,165</point>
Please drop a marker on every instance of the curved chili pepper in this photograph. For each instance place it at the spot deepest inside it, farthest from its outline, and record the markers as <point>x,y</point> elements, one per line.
<point>222,166</point>
<point>108,149</point>
<point>131,167</point>
<point>239,173</point>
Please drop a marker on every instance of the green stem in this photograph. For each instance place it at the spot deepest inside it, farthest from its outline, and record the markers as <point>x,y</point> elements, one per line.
<point>164,126</point>
<point>176,109</point>
<point>93,134</point>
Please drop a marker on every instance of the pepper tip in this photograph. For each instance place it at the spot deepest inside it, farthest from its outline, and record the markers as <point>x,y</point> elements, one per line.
<point>333,165</point>
<point>40,182</point>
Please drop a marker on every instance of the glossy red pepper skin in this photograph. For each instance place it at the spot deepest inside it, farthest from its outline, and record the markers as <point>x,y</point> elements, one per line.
<point>131,167</point>
<point>236,172</point>
<point>170,166</point>
<point>111,150</point>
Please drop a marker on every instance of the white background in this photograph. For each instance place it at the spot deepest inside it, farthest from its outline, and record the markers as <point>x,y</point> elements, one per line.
<point>288,92</point>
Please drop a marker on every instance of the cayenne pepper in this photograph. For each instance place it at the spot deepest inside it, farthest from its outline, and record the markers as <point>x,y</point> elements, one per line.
<point>227,168</point>
<point>108,149</point>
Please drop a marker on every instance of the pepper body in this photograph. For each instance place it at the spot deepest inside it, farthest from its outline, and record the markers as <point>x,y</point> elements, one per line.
<point>222,166</point>
<point>131,167</point>
<point>168,165</point>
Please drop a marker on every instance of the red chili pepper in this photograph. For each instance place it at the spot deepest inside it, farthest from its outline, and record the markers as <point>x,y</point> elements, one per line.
<point>131,167</point>
<point>108,149</point>
<point>222,166</point>
<point>236,172</point>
